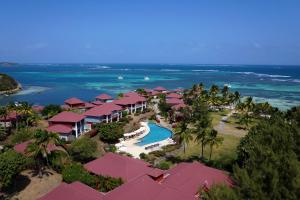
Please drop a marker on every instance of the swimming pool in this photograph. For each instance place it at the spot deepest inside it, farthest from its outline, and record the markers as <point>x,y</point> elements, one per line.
<point>156,134</point>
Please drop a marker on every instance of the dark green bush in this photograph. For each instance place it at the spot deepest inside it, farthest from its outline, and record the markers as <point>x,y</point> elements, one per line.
<point>76,172</point>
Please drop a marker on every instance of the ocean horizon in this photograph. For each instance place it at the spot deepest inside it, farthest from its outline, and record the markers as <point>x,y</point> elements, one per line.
<point>46,83</point>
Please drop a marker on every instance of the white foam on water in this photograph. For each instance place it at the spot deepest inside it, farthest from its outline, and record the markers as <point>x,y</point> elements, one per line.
<point>170,70</point>
<point>205,70</point>
<point>263,75</point>
<point>31,90</point>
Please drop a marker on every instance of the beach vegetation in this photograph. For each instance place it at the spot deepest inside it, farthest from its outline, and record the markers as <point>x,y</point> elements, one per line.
<point>83,149</point>
<point>183,134</point>
<point>22,135</point>
<point>51,110</point>
<point>39,148</point>
<point>11,164</point>
<point>163,165</point>
<point>110,132</point>
<point>7,83</point>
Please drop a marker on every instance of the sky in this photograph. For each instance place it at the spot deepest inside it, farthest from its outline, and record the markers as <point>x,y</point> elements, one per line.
<point>150,31</point>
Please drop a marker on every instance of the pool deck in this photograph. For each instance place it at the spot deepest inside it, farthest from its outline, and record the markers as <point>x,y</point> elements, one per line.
<point>129,146</point>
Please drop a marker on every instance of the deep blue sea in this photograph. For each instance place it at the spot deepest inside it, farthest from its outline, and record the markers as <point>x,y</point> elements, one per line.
<point>53,83</point>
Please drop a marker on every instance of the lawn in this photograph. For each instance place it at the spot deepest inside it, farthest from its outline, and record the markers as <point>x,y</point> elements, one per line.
<point>225,153</point>
<point>217,116</point>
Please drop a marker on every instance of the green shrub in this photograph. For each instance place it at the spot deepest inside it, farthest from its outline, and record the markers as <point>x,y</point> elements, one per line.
<point>11,164</point>
<point>111,148</point>
<point>158,153</point>
<point>59,159</point>
<point>76,172</point>
<point>22,136</point>
<point>163,165</point>
<point>51,110</point>
<point>171,147</point>
<point>107,183</point>
<point>83,149</point>
<point>143,156</point>
<point>110,132</point>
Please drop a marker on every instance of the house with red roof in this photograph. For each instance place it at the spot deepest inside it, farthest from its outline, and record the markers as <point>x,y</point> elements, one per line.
<point>174,95</point>
<point>118,166</point>
<point>141,181</point>
<point>74,103</point>
<point>9,120</point>
<point>106,112</point>
<point>131,102</point>
<point>68,125</point>
<point>160,89</point>
<point>188,178</point>
<point>21,147</point>
<point>104,98</point>
<point>74,191</point>
<point>174,101</point>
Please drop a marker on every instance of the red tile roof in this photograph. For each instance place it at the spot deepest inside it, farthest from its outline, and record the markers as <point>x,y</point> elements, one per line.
<point>105,109</point>
<point>144,188</point>
<point>178,106</point>
<point>116,165</point>
<point>10,117</point>
<point>65,107</point>
<point>73,101</point>
<point>104,97</point>
<point>131,94</point>
<point>174,95</point>
<point>189,177</point>
<point>97,103</point>
<point>130,99</point>
<point>38,108</point>
<point>60,128</point>
<point>174,101</point>
<point>89,105</point>
<point>74,191</point>
<point>67,117</point>
<point>21,147</point>
<point>159,89</point>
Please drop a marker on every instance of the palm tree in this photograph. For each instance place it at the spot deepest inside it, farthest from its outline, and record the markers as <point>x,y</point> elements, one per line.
<point>213,140</point>
<point>25,110</point>
<point>184,134</point>
<point>201,87</point>
<point>39,149</point>
<point>225,91</point>
<point>214,90</point>
<point>237,97</point>
<point>201,136</point>
<point>4,115</point>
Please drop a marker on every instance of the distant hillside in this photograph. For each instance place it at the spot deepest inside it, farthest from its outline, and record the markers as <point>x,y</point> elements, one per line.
<point>8,84</point>
<point>7,64</point>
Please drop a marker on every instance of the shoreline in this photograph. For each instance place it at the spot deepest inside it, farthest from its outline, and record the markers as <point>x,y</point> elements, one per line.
<point>12,91</point>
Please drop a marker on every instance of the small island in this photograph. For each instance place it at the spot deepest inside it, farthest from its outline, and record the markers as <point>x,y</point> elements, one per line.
<point>8,85</point>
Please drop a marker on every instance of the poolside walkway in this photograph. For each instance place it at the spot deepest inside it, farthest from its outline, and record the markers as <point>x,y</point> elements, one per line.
<point>130,146</point>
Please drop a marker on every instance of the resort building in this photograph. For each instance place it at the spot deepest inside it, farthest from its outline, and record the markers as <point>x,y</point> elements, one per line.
<point>160,89</point>
<point>174,101</point>
<point>9,120</point>
<point>21,147</point>
<point>74,103</point>
<point>141,181</point>
<point>174,96</point>
<point>68,125</point>
<point>104,98</point>
<point>106,112</point>
<point>131,102</point>
<point>97,103</point>
<point>74,191</point>
<point>118,166</point>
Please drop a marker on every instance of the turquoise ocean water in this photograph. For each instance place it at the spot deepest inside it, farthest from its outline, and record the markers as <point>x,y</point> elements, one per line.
<point>53,83</point>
